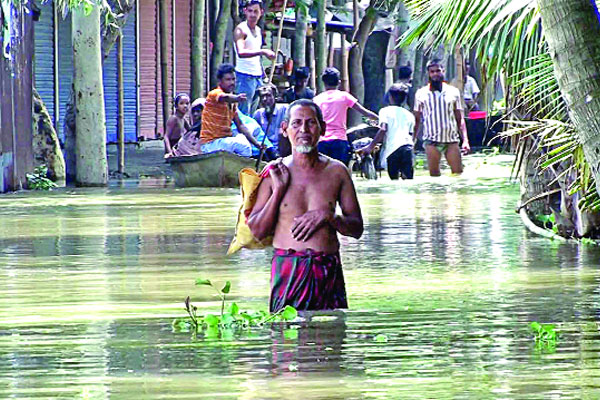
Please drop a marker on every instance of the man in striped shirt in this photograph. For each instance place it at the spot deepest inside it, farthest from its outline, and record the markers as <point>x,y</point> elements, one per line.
<point>438,106</point>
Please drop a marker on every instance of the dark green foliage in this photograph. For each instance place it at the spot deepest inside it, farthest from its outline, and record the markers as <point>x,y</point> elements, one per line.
<point>38,180</point>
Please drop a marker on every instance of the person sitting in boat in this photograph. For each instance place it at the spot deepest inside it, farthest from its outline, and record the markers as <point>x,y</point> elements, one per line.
<point>189,144</point>
<point>270,117</point>
<point>220,110</point>
<point>270,152</point>
<point>178,123</point>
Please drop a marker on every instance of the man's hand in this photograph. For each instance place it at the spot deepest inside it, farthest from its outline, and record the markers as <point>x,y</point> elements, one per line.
<point>241,97</point>
<point>465,148</point>
<point>268,53</point>
<point>365,150</point>
<point>280,174</point>
<point>311,221</point>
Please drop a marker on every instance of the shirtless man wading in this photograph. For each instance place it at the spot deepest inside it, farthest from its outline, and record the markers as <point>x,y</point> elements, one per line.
<point>297,202</point>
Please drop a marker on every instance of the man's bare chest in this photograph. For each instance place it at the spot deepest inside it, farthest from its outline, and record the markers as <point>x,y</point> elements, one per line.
<point>311,194</point>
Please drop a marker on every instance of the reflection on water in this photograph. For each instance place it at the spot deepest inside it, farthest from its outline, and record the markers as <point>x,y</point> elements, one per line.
<point>441,287</point>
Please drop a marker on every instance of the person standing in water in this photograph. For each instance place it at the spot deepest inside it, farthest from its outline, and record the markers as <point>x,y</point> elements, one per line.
<point>248,42</point>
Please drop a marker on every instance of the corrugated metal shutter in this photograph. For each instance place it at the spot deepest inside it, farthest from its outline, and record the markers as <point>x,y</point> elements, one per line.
<point>130,78</point>
<point>149,68</point>
<point>159,117</point>
<point>44,56</point>
<point>111,94</point>
<point>183,50</point>
<point>65,70</point>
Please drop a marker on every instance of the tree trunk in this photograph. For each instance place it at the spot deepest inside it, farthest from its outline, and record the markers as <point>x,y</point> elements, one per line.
<point>572,30</point>
<point>197,49</point>
<point>90,142</point>
<point>374,69</point>
<point>357,81</point>
<point>109,36</point>
<point>164,61</point>
<point>219,44</point>
<point>46,146</point>
<point>299,50</point>
<point>320,47</point>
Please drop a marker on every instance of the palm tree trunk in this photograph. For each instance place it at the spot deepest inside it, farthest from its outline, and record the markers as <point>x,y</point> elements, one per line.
<point>197,47</point>
<point>299,50</point>
<point>164,61</point>
<point>357,81</point>
<point>320,47</point>
<point>219,42</point>
<point>90,142</point>
<point>572,31</point>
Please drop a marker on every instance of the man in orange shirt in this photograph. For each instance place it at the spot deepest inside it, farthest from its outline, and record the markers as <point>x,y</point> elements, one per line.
<point>220,110</point>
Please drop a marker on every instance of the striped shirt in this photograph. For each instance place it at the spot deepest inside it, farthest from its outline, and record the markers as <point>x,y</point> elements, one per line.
<point>437,108</point>
<point>216,117</point>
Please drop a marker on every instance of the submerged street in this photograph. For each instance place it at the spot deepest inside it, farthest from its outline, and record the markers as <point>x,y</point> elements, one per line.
<point>442,288</point>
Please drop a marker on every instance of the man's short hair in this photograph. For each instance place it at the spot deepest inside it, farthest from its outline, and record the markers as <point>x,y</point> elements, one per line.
<point>398,93</point>
<point>300,73</point>
<point>306,103</point>
<point>252,2</point>
<point>435,62</point>
<point>265,88</point>
<point>225,69</point>
<point>331,76</point>
<point>404,72</point>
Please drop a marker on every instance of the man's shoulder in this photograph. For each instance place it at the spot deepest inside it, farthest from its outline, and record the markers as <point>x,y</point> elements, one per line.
<point>451,89</point>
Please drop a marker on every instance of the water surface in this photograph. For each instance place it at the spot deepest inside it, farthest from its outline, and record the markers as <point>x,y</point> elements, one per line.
<point>442,287</point>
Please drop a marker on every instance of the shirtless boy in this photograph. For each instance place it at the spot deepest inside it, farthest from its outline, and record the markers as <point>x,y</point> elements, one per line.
<point>297,203</point>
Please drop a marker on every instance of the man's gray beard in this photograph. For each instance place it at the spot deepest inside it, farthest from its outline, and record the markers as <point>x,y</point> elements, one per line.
<point>304,149</point>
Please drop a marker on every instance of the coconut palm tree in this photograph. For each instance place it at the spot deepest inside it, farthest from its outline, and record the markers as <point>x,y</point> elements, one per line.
<point>508,41</point>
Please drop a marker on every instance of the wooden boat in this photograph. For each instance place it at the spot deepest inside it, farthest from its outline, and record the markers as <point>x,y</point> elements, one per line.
<point>218,169</point>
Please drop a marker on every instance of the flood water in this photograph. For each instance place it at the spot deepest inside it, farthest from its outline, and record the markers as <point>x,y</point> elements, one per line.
<point>442,288</point>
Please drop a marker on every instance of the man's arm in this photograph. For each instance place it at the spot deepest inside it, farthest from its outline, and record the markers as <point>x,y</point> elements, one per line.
<point>367,113</point>
<point>231,98</point>
<point>239,38</point>
<point>350,223</point>
<point>377,139</point>
<point>263,218</point>
<point>242,128</point>
<point>417,115</point>
<point>463,133</point>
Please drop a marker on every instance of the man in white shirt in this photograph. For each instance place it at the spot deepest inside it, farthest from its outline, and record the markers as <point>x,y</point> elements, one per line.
<point>439,107</point>
<point>248,45</point>
<point>471,90</point>
<point>396,126</point>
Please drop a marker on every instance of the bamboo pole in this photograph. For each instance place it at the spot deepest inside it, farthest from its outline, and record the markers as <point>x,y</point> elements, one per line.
<point>278,41</point>
<point>121,94</point>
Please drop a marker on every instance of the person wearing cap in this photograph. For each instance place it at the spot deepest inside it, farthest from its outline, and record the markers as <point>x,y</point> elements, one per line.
<point>334,104</point>
<point>271,115</point>
<point>178,123</point>
<point>299,90</point>
<point>396,127</point>
<point>248,42</point>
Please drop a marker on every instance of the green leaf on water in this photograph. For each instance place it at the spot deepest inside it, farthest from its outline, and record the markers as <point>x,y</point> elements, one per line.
<point>227,319</point>
<point>227,287</point>
<point>212,332</point>
<point>381,338</point>
<point>234,309</point>
<point>535,326</point>
<point>289,313</point>
<point>211,320</point>
<point>201,281</point>
<point>290,334</point>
